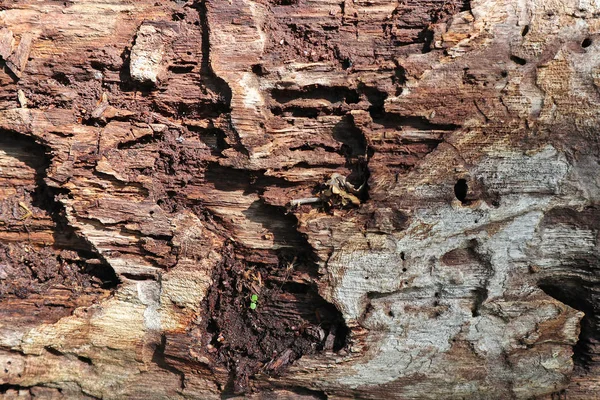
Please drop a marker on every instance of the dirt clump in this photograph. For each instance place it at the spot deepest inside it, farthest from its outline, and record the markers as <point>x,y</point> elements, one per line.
<point>289,319</point>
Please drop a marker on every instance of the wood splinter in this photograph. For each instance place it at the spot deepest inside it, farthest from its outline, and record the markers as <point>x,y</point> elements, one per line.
<point>337,185</point>
<point>28,212</point>
<point>306,200</point>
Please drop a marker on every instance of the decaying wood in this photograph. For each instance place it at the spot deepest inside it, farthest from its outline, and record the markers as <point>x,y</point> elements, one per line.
<point>299,199</point>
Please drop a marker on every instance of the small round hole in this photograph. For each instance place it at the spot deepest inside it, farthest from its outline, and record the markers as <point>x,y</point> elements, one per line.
<point>259,69</point>
<point>587,42</point>
<point>518,60</point>
<point>460,190</point>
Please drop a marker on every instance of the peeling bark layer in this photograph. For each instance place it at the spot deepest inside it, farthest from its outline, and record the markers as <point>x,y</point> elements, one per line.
<point>299,199</point>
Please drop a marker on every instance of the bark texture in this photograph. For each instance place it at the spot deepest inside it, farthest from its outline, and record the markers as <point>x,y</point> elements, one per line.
<point>299,199</point>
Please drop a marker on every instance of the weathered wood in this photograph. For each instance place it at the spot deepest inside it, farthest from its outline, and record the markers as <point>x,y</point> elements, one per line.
<point>299,199</point>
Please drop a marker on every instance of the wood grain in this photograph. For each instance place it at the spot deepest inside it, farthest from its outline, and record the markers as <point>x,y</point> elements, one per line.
<point>152,159</point>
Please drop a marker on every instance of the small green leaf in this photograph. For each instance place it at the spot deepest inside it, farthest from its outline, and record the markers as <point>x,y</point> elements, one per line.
<point>253,306</point>
<point>254,298</point>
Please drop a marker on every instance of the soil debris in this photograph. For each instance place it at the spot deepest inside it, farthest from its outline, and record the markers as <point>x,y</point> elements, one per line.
<point>290,319</point>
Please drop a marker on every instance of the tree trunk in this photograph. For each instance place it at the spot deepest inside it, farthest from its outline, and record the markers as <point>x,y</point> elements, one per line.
<point>299,199</point>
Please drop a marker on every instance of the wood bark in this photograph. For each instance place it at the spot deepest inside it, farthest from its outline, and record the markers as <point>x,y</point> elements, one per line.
<point>299,199</point>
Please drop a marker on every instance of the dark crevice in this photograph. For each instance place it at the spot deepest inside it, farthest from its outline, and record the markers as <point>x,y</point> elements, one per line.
<point>304,392</point>
<point>305,112</point>
<point>357,153</point>
<point>260,70</point>
<point>307,165</point>
<point>399,78</point>
<point>312,146</point>
<point>53,351</point>
<point>480,295</point>
<point>85,360</point>
<point>577,285</point>
<point>191,109</point>
<point>212,81</point>
<point>56,352</point>
<point>181,69</point>
<point>377,97</point>
<point>148,139</point>
<point>4,388</point>
<point>577,294</point>
<point>284,2</point>
<point>61,78</point>
<point>518,60</point>
<point>461,189</point>
<point>139,277</point>
<point>283,227</point>
<point>426,36</point>
<point>125,82</point>
<point>420,123</point>
<point>46,198</point>
<point>290,318</point>
<point>158,357</point>
<point>332,94</point>
<point>214,138</point>
<point>238,179</point>
<point>177,16</point>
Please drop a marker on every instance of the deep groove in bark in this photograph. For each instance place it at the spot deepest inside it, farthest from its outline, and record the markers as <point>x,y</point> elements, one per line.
<point>66,238</point>
<point>211,79</point>
<point>575,293</point>
<point>291,318</point>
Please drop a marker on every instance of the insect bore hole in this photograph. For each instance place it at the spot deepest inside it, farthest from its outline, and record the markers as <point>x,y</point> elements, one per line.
<point>587,42</point>
<point>518,60</point>
<point>460,190</point>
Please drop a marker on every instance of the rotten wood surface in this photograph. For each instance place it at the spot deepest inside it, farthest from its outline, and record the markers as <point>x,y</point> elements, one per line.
<point>299,199</point>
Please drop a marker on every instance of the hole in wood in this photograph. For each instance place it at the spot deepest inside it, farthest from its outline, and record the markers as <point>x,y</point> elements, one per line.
<point>460,190</point>
<point>587,42</point>
<point>518,60</point>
